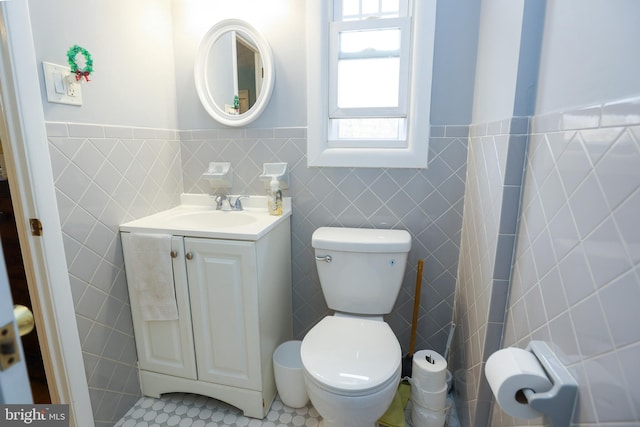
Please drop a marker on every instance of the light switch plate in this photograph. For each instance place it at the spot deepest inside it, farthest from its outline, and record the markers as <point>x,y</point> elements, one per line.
<point>70,92</point>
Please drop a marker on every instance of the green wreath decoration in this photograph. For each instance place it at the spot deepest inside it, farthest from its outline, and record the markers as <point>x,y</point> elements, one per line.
<point>71,58</point>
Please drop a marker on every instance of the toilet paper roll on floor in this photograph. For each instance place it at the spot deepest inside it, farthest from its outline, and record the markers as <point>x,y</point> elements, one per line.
<point>425,417</point>
<point>435,400</point>
<point>510,371</point>
<point>429,370</point>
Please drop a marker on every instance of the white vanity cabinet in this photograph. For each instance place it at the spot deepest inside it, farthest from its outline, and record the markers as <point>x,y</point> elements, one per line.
<point>224,311</point>
<point>234,309</point>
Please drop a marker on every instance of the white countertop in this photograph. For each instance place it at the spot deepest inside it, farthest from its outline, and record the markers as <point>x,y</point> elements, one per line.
<point>198,217</point>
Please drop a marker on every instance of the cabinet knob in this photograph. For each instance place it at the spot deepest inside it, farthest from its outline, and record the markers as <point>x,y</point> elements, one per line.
<point>174,254</point>
<point>189,255</point>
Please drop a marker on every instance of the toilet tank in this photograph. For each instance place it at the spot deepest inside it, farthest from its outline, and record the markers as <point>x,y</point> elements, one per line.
<point>361,270</point>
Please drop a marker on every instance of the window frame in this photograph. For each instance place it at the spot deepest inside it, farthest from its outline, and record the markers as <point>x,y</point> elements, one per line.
<point>322,151</point>
<point>336,28</point>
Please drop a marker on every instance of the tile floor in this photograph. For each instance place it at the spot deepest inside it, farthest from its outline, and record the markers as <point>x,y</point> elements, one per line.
<point>191,410</point>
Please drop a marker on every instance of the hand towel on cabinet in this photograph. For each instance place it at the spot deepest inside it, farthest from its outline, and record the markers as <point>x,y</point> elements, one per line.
<point>151,271</point>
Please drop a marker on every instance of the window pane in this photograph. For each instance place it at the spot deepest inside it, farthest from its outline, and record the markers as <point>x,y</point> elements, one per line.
<point>353,10</point>
<point>350,8</point>
<point>389,6</point>
<point>383,129</point>
<point>368,82</point>
<point>370,7</point>
<point>376,40</point>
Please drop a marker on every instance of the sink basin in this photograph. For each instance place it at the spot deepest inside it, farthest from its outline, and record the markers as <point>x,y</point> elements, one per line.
<point>197,217</point>
<point>204,219</point>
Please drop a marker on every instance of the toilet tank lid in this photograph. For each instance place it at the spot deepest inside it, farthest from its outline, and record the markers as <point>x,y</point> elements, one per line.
<point>361,239</point>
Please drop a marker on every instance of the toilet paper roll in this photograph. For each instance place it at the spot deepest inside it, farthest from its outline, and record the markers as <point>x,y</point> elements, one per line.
<point>435,400</point>
<point>425,417</point>
<point>429,370</point>
<point>510,371</point>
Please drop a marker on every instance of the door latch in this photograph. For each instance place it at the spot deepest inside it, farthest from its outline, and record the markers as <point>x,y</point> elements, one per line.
<point>9,354</point>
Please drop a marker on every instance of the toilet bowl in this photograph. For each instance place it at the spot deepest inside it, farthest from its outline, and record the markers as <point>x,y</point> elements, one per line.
<point>351,370</point>
<point>352,360</point>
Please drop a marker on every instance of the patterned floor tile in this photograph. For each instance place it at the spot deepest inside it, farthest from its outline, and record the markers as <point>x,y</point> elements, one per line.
<point>191,410</point>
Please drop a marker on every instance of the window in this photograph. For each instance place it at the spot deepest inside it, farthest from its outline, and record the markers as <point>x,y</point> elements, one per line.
<point>369,82</point>
<point>368,48</point>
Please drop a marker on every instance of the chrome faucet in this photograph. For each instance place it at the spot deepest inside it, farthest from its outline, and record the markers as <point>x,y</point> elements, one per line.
<point>237,205</point>
<point>223,203</point>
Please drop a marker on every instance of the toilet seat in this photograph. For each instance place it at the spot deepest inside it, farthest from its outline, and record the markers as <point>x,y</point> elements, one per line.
<point>351,356</point>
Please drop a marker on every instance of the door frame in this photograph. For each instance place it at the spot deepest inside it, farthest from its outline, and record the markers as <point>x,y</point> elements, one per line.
<point>32,187</point>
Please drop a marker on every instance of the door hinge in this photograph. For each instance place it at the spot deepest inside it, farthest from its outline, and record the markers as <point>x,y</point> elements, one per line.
<point>36,227</point>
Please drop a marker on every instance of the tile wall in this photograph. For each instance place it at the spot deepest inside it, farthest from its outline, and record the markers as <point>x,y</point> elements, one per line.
<point>104,176</point>
<point>494,178</point>
<point>576,276</point>
<point>426,202</point>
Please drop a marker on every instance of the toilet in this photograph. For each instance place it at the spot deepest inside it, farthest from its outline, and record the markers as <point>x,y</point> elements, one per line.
<point>352,360</point>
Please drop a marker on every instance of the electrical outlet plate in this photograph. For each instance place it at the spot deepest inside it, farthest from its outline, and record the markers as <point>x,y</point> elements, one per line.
<point>62,87</point>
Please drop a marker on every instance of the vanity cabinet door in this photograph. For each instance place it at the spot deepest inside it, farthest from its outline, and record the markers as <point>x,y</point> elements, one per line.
<point>224,305</point>
<point>164,346</point>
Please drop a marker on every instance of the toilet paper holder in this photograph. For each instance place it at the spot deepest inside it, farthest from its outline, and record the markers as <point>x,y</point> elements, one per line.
<point>557,403</point>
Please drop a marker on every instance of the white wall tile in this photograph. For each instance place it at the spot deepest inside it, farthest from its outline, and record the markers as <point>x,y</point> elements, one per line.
<point>384,198</point>
<point>594,237</point>
<point>98,178</point>
<point>576,264</point>
<point>135,172</point>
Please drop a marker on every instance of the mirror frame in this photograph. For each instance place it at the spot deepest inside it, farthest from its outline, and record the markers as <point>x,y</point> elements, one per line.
<point>200,72</point>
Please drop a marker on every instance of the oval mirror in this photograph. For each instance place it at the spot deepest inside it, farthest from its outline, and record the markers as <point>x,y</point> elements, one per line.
<point>234,72</point>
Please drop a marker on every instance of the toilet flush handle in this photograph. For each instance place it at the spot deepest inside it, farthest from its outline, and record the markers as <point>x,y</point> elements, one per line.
<point>325,258</point>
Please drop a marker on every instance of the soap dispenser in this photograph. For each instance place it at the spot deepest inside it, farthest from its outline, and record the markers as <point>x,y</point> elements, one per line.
<point>274,199</point>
